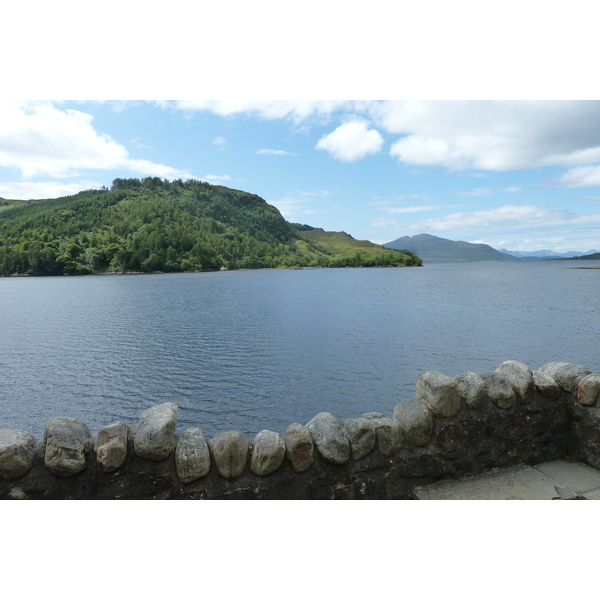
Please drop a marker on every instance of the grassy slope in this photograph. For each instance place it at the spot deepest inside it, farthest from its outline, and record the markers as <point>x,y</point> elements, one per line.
<point>6,204</point>
<point>344,246</point>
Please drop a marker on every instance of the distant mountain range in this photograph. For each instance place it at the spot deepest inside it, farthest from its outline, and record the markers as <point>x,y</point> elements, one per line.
<point>541,254</point>
<point>430,248</point>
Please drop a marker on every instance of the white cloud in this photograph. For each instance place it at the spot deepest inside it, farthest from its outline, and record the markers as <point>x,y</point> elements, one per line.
<point>477,192</point>
<point>398,210</point>
<point>39,139</point>
<point>275,152</point>
<point>459,135</point>
<point>492,136</point>
<point>579,177</point>
<point>220,142</point>
<point>290,206</point>
<point>216,179</point>
<point>137,143</point>
<point>351,141</point>
<point>511,216</point>
<point>297,110</point>
<point>28,190</point>
<point>296,204</point>
<point>316,194</point>
<point>511,190</point>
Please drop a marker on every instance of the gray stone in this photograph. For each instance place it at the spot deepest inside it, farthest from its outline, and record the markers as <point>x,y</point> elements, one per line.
<point>65,442</point>
<point>500,392</point>
<point>17,449</point>
<point>576,477</point>
<point>230,452</point>
<point>439,392</point>
<point>588,389</point>
<point>361,433</point>
<point>546,386</point>
<point>111,447</point>
<point>299,447</point>
<point>567,375</point>
<point>330,438</point>
<point>389,435</point>
<point>268,452</point>
<point>416,421</point>
<point>519,377</point>
<point>372,415</point>
<point>471,389</point>
<point>192,457</point>
<point>155,435</point>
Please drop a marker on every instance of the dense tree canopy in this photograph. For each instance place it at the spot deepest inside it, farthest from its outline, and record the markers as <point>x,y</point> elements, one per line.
<point>152,225</point>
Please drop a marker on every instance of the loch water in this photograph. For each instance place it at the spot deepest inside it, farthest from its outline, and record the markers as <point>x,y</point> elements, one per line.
<point>253,350</point>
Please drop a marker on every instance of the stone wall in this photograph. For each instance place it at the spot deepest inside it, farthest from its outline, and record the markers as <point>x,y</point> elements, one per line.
<point>453,427</point>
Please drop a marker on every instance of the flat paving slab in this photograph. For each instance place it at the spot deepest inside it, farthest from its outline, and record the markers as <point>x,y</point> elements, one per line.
<point>574,476</point>
<point>553,480</point>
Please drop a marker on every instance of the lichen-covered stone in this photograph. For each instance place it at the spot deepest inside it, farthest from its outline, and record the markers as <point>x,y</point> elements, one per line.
<point>111,447</point>
<point>439,392</point>
<point>299,447</point>
<point>65,441</point>
<point>499,391</point>
<point>230,452</point>
<point>519,377</point>
<point>389,436</point>
<point>155,435</point>
<point>192,457</point>
<point>416,421</point>
<point>471,389</point>
<point>330,438</point>
<point>588,390</point>
<point>546,386</point>
<point>17,449</point>
<point>361,433</point>
<point>567,375</point>
<point>268,452</point>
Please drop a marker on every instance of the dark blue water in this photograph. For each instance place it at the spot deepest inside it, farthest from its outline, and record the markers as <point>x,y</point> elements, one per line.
<point>256,350</point>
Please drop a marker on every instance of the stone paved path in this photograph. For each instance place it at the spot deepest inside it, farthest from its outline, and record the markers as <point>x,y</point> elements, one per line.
<point>553,480</point>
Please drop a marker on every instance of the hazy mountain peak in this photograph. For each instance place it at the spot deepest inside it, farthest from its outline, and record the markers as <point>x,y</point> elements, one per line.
<point>431,248</point>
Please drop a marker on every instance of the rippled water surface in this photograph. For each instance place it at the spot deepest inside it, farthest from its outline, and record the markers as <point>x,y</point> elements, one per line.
<point>256,350</point>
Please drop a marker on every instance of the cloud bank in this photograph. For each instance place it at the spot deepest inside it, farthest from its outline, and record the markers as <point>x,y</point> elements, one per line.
<point>456,135</point>
<point>39,139</point>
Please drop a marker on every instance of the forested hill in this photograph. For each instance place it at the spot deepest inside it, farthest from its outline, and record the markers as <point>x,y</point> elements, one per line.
<point>153,225</point>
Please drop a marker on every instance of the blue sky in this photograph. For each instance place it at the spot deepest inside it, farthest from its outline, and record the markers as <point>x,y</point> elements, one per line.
<point>498,142</point>
<point>522,175</point>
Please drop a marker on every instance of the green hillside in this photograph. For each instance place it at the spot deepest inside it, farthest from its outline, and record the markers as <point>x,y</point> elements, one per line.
<point>152,225</point>
<point>357,252</point>
<point>6,204</point>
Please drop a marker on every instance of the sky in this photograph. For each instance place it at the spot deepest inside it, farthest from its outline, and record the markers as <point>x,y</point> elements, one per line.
<point>520,175</point>
<point>474,121</point>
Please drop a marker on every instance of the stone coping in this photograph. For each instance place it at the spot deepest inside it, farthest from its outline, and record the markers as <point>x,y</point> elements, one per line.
<point>454,426</point>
